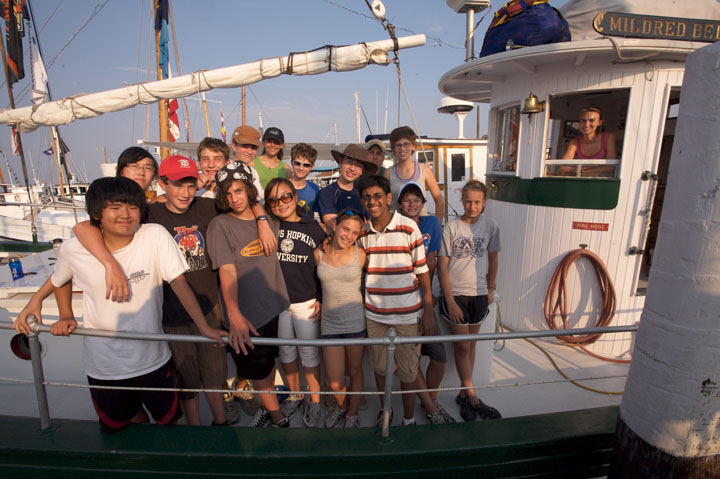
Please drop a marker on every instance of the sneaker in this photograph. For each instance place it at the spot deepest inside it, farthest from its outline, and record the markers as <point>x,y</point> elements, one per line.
<point>284,422</point>
<point>379,421</point>
<point>313,415</point>
<point>435,418</point>
<point>249,402</point>
<point>263,420</point>
<point>466,410</point>
<point>352,421</point>
<point>446,415</point>
<point>231,413</point>
<point>226,423</point>
<point>486,412</point>
<point>291,404</point>
<point>335,417</point>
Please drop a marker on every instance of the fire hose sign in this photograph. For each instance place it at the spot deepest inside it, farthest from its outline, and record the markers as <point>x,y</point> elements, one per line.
<point>583,225</point>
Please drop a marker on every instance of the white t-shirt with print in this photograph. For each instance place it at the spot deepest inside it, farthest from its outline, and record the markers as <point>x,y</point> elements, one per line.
<point>150,258</point>
<point>468,245</point>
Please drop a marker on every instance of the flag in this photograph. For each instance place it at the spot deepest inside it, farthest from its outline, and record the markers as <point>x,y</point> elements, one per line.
<point>39,74</point>
<point>173,106</point>
<point>173,119</point>
<point>161,25</point>
<point>14,12</point>
<point>13,140</point>
<point>222,126</point>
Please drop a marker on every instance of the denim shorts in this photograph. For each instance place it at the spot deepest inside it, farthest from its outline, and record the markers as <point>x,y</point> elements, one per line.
<point>361,334</point>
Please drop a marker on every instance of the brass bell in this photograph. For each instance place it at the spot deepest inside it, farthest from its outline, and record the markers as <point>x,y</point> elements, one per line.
<point>532,105</point>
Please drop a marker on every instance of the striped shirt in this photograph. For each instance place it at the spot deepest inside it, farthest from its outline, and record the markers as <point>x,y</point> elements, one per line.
<point>395,256</point>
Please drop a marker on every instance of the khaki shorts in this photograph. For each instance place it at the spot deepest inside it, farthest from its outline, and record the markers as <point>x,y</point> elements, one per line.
<point>198,364</point>
<point>406,355</point>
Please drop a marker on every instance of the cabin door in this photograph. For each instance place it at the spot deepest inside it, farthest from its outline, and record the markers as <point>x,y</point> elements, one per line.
<point>458,168</point>
<point>656,195</point>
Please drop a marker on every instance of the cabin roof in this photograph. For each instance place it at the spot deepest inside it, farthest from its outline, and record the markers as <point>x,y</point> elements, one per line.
<point>474,80</point>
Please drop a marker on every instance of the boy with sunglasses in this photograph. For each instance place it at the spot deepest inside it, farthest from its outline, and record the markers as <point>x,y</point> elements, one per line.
<point>303,157</point>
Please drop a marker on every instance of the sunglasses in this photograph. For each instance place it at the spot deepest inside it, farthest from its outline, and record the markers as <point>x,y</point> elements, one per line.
<point>375,197</point>
<point>304,165</point>
<point>284,198</point>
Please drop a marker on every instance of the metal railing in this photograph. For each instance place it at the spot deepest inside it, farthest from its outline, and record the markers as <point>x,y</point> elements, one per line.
<point>390,341</point>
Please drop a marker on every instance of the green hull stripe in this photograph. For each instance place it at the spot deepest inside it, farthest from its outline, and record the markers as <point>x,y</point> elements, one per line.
<point>24,247</point>
<point>580,193</point>
<point>569,444</point>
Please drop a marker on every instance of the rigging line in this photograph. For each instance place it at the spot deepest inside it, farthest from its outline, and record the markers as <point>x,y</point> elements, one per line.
<point>51,15</point>
<point>260,105</point>
<point>49,64</point>
<point>438,41</point>
<point>366,120</point>
<point>137,65</point>
<point>97,10</point>
<point>188,131</point>
<point>151,31</point>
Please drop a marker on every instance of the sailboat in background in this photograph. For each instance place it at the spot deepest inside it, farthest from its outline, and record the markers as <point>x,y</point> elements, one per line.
<point>66,110</point>
<point>35,212</point>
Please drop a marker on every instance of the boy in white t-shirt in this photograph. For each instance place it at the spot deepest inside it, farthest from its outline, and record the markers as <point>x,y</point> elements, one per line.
<point>149,256</point>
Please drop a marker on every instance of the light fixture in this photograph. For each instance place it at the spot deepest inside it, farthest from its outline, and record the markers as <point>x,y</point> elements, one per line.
<point>532,105</point>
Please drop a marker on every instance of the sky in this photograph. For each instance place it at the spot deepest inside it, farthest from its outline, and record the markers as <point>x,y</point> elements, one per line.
<point>95,45</point>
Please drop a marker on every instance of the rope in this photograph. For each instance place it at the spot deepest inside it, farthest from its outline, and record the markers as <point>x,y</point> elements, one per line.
<point>556,300</point>
<point>325,393</point>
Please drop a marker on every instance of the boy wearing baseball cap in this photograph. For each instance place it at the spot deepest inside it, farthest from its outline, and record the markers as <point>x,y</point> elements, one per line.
<point>186,218</point>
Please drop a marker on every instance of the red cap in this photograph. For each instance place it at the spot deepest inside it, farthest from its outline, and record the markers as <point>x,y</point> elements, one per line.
<point>177,167</point>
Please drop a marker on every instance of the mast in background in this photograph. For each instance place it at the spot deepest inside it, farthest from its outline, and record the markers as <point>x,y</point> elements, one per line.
<point>12,34</point>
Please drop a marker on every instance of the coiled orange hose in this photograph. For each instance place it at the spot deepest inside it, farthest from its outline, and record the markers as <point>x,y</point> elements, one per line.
<point>556,300</point>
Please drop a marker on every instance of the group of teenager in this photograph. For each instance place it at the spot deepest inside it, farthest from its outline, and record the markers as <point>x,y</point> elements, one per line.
<point>232,251</point>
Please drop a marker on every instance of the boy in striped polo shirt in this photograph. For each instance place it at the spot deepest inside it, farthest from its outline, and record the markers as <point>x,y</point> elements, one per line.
<point>396,266</point>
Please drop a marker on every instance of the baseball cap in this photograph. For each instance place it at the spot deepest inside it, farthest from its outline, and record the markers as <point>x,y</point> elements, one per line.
<point>246,135</point>
<point>273,133</point>
<point>177,167</point>
<point>375,142</point>
<point>411,187</point>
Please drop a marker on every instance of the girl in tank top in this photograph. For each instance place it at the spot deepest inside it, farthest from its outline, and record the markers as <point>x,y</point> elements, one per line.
<point>269,165</point>
<point>343,315</point>
<point>592,144</point>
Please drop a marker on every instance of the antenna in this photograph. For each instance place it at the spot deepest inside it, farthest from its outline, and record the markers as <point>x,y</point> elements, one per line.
<point>457,108</point>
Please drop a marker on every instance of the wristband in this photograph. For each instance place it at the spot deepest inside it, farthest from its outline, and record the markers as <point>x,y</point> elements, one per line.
<point>261,218</point>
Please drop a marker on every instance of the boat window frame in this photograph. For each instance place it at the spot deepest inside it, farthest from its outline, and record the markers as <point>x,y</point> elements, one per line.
<point>547,161</point>
<point>500,139</point>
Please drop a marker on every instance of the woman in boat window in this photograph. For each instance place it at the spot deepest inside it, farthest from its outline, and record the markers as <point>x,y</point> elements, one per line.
<point>594,143</point>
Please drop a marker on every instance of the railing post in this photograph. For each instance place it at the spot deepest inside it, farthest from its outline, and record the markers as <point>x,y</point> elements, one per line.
<point>38,375</point>
<point>387,398</point>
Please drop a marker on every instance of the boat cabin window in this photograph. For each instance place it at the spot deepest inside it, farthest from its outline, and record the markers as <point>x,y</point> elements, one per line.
<point>585,133</point>
<point>504,153</point>
<point>426,156</point>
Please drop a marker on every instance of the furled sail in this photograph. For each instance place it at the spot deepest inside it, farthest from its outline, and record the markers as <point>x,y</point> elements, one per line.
<point>321,60</point>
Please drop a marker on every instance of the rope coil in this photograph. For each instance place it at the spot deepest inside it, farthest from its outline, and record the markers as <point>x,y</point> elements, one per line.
<point>556,300</point>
